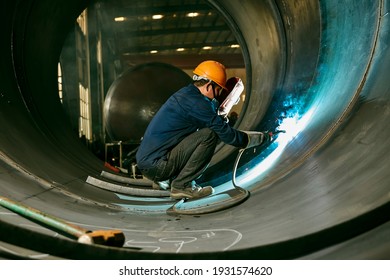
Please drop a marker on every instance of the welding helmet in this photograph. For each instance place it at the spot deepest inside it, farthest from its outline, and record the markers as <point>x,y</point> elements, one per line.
<point>211,70</point>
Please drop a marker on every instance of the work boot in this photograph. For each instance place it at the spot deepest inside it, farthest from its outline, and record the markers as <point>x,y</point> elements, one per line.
<point>162,185</point>
<point>191,192</point>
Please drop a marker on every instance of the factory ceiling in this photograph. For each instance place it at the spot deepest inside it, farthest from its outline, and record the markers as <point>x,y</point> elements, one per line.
<point>180,32</point>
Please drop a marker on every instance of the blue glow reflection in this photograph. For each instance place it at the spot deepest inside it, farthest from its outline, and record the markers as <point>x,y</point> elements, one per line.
<point>293,125</point>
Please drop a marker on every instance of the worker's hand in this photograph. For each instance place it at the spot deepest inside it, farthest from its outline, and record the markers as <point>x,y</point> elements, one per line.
<point>257,138</point>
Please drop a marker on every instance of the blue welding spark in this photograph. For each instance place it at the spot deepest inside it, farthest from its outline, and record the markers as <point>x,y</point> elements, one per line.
<point>292,126</point>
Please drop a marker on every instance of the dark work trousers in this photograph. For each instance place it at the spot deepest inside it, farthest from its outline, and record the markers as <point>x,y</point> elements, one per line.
<point>187,161</point>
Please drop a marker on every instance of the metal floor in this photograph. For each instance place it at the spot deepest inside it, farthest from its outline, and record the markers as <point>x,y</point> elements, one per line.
<point>322,194</point>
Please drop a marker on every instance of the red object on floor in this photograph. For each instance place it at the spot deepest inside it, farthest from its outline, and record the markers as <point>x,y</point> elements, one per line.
<point>112,168</point>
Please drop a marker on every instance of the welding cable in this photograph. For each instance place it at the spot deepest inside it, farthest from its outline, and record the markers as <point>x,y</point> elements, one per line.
<point>241,151</point>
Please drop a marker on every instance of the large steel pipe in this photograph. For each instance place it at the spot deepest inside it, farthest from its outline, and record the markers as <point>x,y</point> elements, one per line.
<point>319,67</point>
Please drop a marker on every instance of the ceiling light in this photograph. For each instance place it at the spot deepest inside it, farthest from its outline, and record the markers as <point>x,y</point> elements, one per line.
<point>157,16</point>
<point>235,46</point>
<point>153,51</point>
<point>120,19</point>
<point>180,49</point>
<point>207,47</point>
<point>194,14</point>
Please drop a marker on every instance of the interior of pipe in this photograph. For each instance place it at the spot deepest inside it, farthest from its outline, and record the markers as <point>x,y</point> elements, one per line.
<point>316,69</point>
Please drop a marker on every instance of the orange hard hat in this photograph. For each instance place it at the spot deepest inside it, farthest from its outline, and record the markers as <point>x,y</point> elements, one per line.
<point>212,70</point>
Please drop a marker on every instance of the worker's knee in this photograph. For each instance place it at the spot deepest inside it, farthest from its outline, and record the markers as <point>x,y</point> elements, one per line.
<point>208,135</point>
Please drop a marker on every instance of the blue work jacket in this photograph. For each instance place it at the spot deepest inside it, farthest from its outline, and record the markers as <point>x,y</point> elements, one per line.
<point>183,113</point>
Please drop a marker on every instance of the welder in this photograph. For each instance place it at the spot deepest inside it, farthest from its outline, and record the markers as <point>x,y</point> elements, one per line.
<point>180,140</point>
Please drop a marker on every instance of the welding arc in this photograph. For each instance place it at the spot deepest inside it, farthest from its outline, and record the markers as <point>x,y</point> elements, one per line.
<point>113,238</point>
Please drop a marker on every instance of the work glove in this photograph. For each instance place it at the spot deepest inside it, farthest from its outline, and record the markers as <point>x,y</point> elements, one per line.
<point>257,138</point>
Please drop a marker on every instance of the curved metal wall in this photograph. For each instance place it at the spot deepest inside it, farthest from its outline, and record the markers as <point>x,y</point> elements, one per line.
<point>327,184</point>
